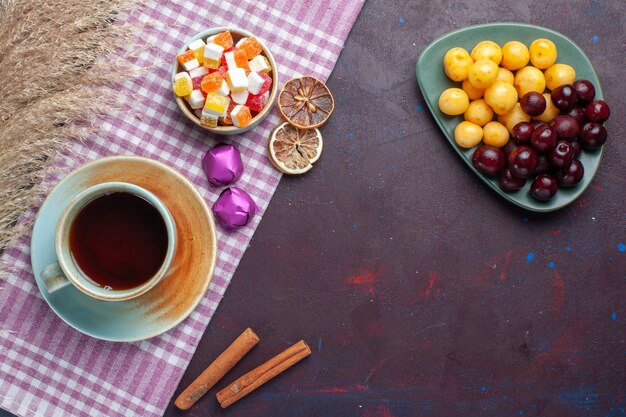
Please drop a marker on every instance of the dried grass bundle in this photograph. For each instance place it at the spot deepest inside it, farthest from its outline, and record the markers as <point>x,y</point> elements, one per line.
<point>55,83</point>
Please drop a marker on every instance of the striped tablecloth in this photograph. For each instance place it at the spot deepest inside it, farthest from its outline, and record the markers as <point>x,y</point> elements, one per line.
<point>49,369</point>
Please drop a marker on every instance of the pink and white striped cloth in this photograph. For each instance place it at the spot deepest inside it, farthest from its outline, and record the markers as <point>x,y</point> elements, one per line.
<point>49,369</point>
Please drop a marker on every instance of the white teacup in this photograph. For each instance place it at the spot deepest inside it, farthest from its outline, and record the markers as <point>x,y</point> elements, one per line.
<point>66,271</point>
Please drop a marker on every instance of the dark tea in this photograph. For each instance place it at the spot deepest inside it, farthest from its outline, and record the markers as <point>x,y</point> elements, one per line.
<point>118,240</point>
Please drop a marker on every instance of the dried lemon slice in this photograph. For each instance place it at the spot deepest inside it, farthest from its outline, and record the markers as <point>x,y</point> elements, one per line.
<point>306,102</point>
<point>293,150</point>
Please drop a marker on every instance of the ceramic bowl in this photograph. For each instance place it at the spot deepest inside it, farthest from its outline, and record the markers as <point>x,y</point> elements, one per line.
<point>229,130</point>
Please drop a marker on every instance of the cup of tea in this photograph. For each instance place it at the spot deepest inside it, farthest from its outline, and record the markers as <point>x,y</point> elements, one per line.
<point>114,241</point>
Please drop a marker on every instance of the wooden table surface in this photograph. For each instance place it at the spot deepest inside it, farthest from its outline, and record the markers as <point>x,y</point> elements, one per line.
<point>420,291</point>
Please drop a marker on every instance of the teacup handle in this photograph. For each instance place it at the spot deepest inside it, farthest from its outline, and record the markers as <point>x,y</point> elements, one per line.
<point>54,277</point>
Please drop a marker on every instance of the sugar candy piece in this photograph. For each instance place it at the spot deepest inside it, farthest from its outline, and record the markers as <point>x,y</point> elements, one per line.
<point>241,116</point>
<point>216,104</point>
<point>197,47</point>
<point>213,55</point>
<point>255,82</point>
<point>195,99</point>
<point>182,84</point>
<point>259,64</point>
<point>237,79</point>
<point>224,39</point>
<point>240,97</point>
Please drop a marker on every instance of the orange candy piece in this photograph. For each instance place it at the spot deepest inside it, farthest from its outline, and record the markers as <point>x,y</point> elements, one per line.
<point>251,46</point>
<point>224,39</point>
<point>211,82</point>
<point>186,57</point>
<point>241,59</point>
<point>241,116</point>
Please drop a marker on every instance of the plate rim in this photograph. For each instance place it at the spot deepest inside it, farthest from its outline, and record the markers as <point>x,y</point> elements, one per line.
<point>507,196</point>
<point>213,237</point>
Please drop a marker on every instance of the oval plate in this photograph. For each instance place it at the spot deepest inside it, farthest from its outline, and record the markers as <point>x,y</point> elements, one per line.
<point>433,81</point>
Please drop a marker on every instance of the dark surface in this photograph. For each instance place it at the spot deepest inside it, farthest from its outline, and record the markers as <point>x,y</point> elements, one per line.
<point>420,291</point>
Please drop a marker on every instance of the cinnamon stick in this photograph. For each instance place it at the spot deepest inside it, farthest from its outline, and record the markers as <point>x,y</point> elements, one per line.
<point>259,376</point>
<point>216,370</point>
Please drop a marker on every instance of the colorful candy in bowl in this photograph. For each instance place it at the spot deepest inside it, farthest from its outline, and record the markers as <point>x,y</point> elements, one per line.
<point>225,80</point>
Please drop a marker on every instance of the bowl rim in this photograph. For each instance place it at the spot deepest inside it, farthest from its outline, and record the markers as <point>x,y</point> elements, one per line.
<point>228,130</point>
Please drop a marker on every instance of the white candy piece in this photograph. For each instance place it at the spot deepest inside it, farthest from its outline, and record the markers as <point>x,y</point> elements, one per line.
<point>195,99</point>
<point>223,90</point>
<point>198,72</point>
<point>189,65</point>
<point>241,41</point>
<point>255,82</point>
<point>198,113</point>
<point>230,60</point>
<point>234,113</point>
<point>197,44</point>
<point>238,79</point>
<point>258,64</point>
<point>240,97</point>
<point>206,117</point>
<point>211,39</point>
<point>182,74</point>
<point>213,51</point>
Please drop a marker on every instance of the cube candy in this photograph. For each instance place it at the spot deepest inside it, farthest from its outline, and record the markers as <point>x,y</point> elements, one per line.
<point>208,119</point>
<point>255,82</point>
<point>198,112</point>
<point>251,46</point>
<point>197,47</point>
<point>227,120</point>
<point>211,39</point>
<point>256,102</point>
<point>195,99</point>
<point>241,59</point>
<point>188,60</point>
<point>241,116</point>
<point>240,97</point>
<point>237,79</point>
<point>266,84</point>
<point>185,57</point>
<point>197,82</point>
<point>182,84</point>
<point>229,60</point>
<point>260,64</point>
<point>235,59</point>
<point>197,74</point>
<point>223,90</point>
<point>211,82</point>
<point>213,55</point>
<point>224,39</point>
<point>211,64</point>
<point>216,104</point>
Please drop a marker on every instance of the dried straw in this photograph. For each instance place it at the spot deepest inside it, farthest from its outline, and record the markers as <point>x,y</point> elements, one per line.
<point>59,63</point>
